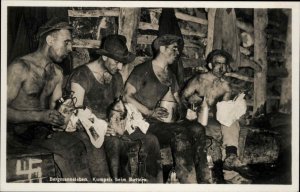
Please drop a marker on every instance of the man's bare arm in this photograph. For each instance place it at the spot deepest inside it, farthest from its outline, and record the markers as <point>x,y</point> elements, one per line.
<point>129,93</point>
<point>190,94</point>
<point>16,76</point>
<point>227,95</point>
<point>157,113</point>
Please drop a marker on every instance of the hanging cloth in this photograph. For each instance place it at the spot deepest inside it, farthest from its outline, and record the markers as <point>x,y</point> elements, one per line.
<point>226,35</point>
<point>168,24</point>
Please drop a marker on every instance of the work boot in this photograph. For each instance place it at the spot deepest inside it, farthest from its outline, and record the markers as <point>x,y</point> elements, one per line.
<point>233,163</point>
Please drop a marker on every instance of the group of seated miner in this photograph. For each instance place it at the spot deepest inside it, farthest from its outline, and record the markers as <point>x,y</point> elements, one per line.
<point>35,85</point>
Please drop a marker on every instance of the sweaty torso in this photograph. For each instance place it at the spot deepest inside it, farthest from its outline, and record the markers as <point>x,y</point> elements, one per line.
<point>38,85</point>
<point>211,87</point>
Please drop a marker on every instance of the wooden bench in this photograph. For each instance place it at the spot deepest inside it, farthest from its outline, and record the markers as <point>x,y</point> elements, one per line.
<point>29,165</point>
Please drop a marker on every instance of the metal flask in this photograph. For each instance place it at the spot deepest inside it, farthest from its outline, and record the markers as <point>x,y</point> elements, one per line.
<point>203,113</point>
<point>168,102</point>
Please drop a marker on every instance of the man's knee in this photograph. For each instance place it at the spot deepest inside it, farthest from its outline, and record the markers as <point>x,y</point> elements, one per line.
<point>152,140</point>
<point>197,128</point>
<point>111,141</point>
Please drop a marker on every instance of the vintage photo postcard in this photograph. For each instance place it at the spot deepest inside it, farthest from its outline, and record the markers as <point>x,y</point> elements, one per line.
<point>149,96</point>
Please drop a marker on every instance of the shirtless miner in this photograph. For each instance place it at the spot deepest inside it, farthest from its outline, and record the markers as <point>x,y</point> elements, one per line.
<point>33,86</point>
<point>214,88</point>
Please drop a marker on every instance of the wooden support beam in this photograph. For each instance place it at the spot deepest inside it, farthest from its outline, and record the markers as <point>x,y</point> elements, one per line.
<point>278,38</point>
<point>128,23</point>
<point>210,32</point>
<point>94,13</point>
<point>185,17</point>
<point>239,76</point>
<point>152,26</point>
<point>148,26</point>
<point>187,62</point>
<point>190,18</point>
<point>245,26</point>
<point>246,62</point>
<point>260,54</point>
<point>86,43</point>
<point>245,51</point>
<point>278,58</point>
<point>145,39</point>
<point>286,86</point>
<point>148,39</point>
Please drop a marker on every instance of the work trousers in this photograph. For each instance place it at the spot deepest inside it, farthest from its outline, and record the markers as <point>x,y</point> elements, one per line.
<point>96,157</point>
<point>118,150</point>
<point>187,141</point>
<point>69,152</point>
<point>225,136</point>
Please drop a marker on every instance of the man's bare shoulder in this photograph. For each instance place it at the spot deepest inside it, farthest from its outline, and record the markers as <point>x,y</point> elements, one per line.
<point>18,66</point>
<point>204,77</point>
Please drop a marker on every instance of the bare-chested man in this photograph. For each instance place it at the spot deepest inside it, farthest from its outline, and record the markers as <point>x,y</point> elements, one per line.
<point>33,86</point>
<point>214,88</point>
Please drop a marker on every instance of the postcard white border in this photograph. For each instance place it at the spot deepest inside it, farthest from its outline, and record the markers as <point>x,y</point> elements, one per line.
<point>295,6</point>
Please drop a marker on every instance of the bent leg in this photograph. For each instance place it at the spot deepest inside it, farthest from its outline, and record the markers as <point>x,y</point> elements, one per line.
<point>112,146</point>
<point>96,157</point>
<point>231,134</point>
<point>153,160</point>
<point>69,154</point>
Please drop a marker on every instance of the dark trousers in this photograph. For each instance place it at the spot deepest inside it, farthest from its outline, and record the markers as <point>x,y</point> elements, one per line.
<point>69,152</point>
<point>187,142</point>
<point>119,150</point>
<point>96,157</point>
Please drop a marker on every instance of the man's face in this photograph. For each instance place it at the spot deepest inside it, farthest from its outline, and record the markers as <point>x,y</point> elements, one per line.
<point>219,66</point>
<point>171,52</point>
<point>113,66</point>
<point>61,46</point>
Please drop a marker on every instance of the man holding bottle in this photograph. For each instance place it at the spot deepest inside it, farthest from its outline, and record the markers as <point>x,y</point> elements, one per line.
<point>152,85</point>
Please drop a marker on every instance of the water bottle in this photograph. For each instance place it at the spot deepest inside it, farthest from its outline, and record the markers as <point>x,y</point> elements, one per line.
<point>169,102</point>
<point>203,113</point>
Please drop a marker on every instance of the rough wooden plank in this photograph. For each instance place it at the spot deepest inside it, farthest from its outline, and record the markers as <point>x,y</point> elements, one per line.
<point>246,62</point>
<point>184,16</point>
<point>86,43</point>
<point>148,39</point>
<point>245,26</point>
<point>190,18</point>
<point>153,26</point>
<point>210,32</point>
<point>239,76</point>
<point>187,63</point>
<point>286,86</point>
<point>245,51</point>
<point>148,26</point>
<point>94,13</point>
<point>128,22</point>
<point>260,54</point>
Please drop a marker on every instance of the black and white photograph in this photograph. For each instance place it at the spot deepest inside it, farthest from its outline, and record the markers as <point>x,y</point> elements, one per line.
<point>148,95</point>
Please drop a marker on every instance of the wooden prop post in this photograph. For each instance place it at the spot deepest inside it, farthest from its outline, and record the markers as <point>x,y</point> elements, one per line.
<point>128,23</point>
<point>286,86</point>
<point>260,56</point>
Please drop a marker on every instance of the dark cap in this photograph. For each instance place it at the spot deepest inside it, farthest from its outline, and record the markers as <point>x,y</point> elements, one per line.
<point>223,53</point>
<point>166,39</point>
<point>114,46</point>
<point>53,24</point>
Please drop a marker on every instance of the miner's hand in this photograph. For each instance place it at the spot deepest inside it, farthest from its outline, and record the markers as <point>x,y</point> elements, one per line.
<point>159,113</point>
<point>52,117</point>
